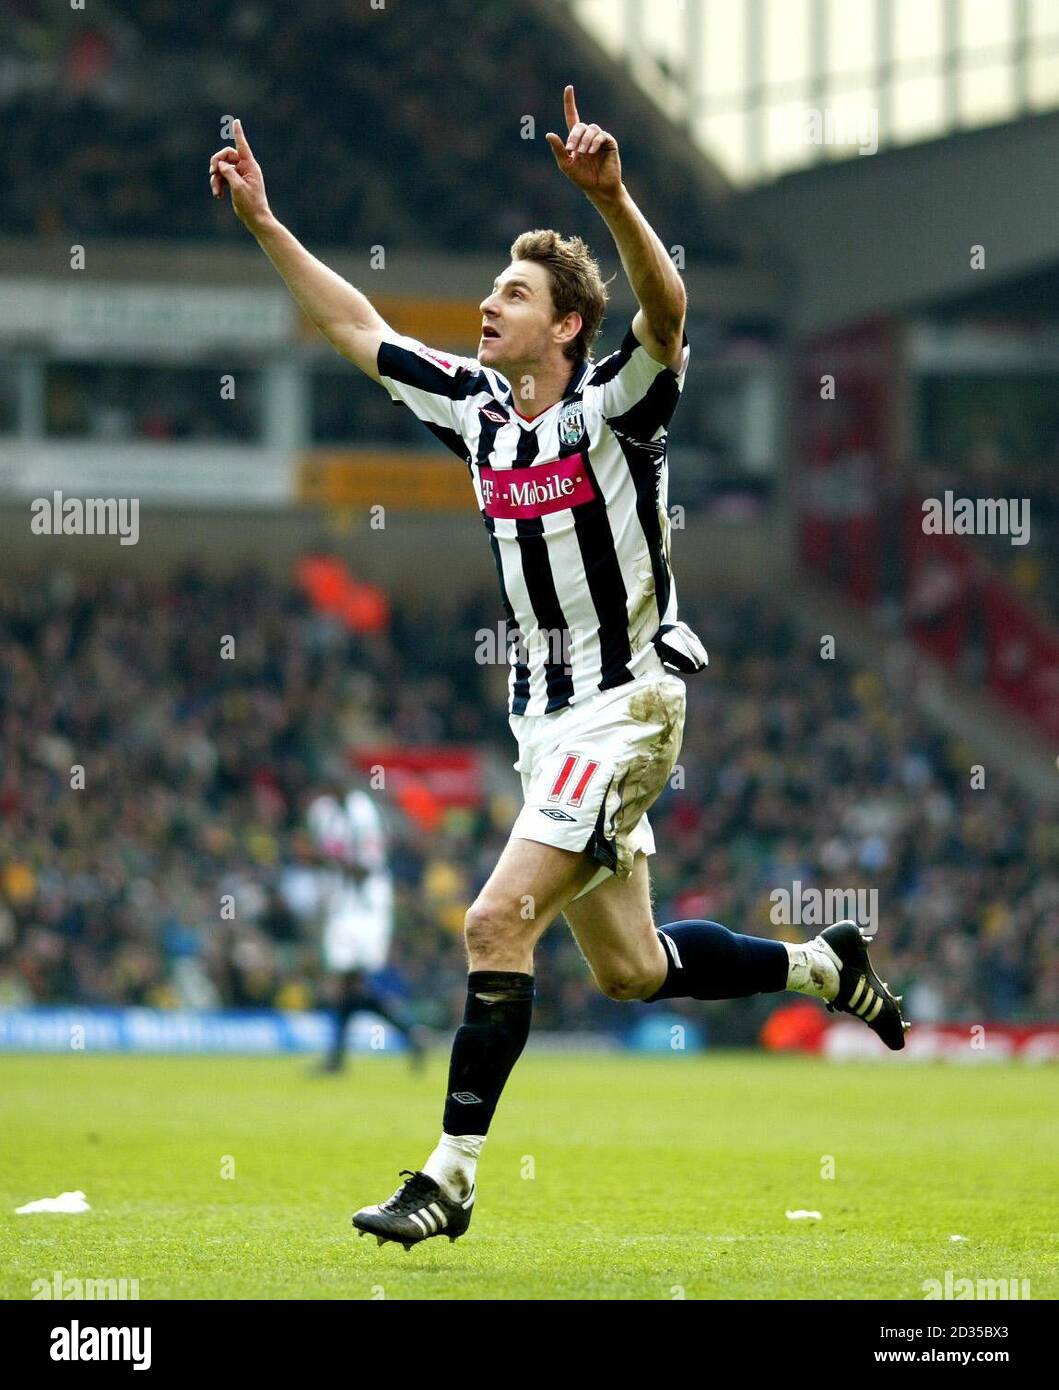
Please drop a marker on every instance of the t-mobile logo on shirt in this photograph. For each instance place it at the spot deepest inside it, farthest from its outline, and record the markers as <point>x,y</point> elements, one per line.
<point>517,494</point>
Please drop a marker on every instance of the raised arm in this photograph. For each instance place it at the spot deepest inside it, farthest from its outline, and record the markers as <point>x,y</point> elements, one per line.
<point>589,158</point>
<point>343,315</point>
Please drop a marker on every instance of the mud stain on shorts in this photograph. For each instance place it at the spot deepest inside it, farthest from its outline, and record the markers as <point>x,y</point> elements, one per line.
<point>659,706</point>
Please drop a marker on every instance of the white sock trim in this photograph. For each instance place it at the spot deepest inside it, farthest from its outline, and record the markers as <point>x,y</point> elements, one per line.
<point>671,947</point>
<point>813,969</point>
<point>820,944</point>
<point>454,1162</point>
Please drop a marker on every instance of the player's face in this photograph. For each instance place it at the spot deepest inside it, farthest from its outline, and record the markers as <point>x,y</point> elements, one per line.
<point>518,317</point>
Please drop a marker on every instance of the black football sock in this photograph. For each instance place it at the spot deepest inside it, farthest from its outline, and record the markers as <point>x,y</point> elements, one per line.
<point>343,1012</point>
<point>496,1024</point>
<point>707,961</point>
<point>389,1010</point>
<point>356,997</point>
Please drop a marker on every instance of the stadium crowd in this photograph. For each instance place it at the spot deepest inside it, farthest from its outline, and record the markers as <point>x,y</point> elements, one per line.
<point>1031,566</point>
<point>147,771</point>
<point>316,87</point>
<point>996,437</point>
<point>111,402</point>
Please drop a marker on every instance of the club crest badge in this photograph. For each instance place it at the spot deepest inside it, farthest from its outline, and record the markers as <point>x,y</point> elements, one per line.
<point>571,422</point>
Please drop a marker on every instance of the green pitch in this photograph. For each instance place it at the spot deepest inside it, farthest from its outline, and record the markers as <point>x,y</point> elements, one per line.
<point>605,1177</point>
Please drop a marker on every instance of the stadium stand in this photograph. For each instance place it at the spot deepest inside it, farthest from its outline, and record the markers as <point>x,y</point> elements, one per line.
<point>314,86</point>
<point>795,770</point>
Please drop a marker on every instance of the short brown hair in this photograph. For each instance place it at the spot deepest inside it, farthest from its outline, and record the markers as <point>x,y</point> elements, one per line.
<point>577,286</point>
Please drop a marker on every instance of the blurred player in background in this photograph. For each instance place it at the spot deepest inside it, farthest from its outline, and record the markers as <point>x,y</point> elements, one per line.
<point>349,893</point>
<point>567,458</point>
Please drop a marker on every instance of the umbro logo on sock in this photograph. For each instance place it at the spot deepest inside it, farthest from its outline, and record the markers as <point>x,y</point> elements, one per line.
<point>466,1097</point>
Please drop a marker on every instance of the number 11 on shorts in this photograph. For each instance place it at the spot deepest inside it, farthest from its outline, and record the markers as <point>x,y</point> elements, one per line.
<point>566,776</point>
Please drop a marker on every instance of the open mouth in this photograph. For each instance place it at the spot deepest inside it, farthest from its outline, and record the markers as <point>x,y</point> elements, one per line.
<point>490,333</point>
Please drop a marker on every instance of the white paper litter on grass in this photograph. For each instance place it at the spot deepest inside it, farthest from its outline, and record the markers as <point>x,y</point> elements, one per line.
<point>65,1202</point>
<point>957,1237</point>
<point>804,1216</point>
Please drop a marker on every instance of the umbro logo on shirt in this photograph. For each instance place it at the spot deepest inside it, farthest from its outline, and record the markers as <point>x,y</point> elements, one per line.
<point>553,814</point>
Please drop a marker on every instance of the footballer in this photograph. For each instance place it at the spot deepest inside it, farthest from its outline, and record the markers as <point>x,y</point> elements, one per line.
<point>567,459</point>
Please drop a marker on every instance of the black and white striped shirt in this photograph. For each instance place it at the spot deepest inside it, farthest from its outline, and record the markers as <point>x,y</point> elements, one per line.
<point>575,503</point>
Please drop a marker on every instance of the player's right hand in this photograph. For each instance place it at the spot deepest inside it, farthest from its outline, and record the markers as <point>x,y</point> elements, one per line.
<point>239,170</point>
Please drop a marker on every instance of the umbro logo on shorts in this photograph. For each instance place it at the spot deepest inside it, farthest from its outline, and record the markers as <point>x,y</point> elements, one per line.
<point>553,814</point>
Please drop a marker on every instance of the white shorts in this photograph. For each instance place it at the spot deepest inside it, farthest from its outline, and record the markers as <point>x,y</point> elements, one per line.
<point>358,924</point>
<point>590,772</point>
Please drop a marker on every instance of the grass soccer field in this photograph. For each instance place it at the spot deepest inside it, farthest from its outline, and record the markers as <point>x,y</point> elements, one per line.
<point>605,1177</point>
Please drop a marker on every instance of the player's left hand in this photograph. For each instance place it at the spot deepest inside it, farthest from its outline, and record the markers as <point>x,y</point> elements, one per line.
<point>588,156</point>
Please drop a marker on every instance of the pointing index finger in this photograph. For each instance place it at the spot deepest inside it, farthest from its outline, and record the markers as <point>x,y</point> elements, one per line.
<point>241,141</point>
<point>570,108</point>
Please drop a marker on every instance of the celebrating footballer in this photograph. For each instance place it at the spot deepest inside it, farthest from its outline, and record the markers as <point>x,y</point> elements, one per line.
<point>566,457</point>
